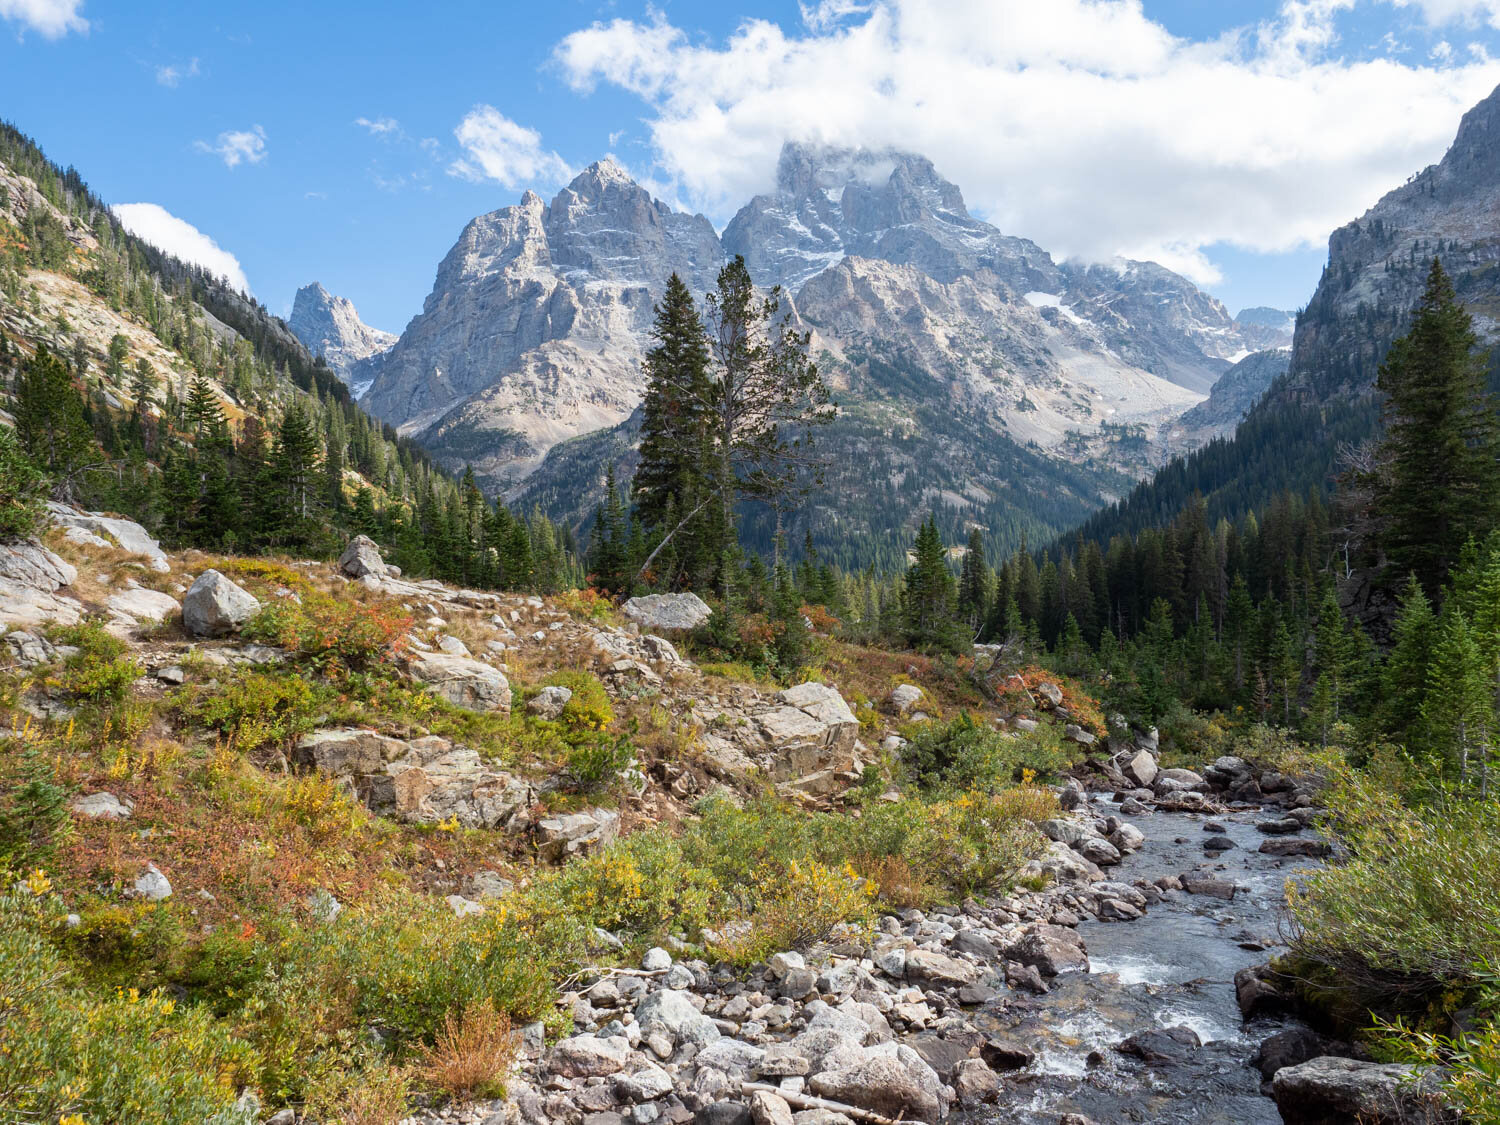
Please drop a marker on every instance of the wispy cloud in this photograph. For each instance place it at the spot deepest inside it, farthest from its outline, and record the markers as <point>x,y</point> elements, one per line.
<point>52,19</point>
<point>497,148</point>
<point>180,238</point>
<point>172,74</point>
<point>235,147</point>
<point>383,127</point>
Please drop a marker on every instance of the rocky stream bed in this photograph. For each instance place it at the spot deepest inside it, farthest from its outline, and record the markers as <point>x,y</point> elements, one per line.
<point>1127,989</point>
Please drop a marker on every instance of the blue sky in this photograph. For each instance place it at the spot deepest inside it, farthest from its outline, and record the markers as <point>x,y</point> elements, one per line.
<point>350,143</point>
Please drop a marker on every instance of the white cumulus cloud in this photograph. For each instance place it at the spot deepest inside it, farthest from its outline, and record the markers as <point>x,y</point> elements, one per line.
<point>497,148</point>
<point>50,18</point>
<point>1083,124</point>
<point>235,147</point>
<point>164,230</point>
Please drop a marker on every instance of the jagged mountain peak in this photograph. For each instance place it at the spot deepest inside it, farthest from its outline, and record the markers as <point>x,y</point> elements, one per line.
<point>329,326</point>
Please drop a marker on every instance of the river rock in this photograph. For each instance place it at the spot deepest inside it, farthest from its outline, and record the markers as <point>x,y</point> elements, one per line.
<point>589,1056</point>
<point>362,557</point>
<point>1258,993</point>
<point>1334,1091</point>
<point>672,1012</point>
<point>1051,950</point>
<point>1161,1045</point>
<point>1282,826</point>
<point>936,969</point>
<point>1289,847</point>
<point>898,1084</point>
<point>462,681</point>
<point>1197,883</point>
<point>676,612</point>
<point>1099,851</point>
<point>1298,1045</point>
<point>1140,768</point>
<point>214,606</point>
<point>1128,838</point>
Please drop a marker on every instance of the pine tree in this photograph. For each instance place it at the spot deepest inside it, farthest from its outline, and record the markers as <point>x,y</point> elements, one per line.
<point>675,470</point>
<point>929,617</point>
<point>973,583</point>
<point>1334,651</point>
<point>52,423</point>
<point>1440,479</point>
<point>297,462</point>
<point>1459,710</point>
<point>764,399</point>
<point>1403,679</point>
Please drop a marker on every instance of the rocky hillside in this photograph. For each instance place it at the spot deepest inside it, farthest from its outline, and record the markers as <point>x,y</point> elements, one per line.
<point>1377,266</point>
<point>328,326</point>
<point>409,802</point>
<point>1378,263</point>
<point>535,327</point>
<point>1237,390</point>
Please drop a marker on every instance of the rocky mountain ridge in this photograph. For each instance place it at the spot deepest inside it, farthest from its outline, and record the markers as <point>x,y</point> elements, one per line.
<point>329,326</point>
<point>539,315</point>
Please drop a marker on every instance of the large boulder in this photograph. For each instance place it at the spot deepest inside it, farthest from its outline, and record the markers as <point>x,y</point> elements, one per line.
<point>589,1056</point>
<point>895,1083</point>
<point>672,1013</point>
<point>1053,950</point>
<point>931,968</point>
<point>425,781</point>
<point>126,534</point>
<point>362,557</point>
<point>671,612</point>
<point>569,834</point>
<point>214,606</point>
<point>140,604</point>
<point>461,680</point>
<point>1333,1091</point>
<point>812,731</point>
<point>30,575</point>
<point>1140,768</point>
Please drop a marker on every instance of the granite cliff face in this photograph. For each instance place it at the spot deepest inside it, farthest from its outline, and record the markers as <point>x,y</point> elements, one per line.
<point>536,323</point>
<point>1237,390</point>
<point>1377,265</point>
<point>329,326</point>
<point>539,317</point>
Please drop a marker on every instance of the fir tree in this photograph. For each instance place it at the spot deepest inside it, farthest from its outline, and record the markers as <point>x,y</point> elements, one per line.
<point>1403,679</point>
<point>1440,478</point>
<point>1459,710</point>
<point>929,617</point>
<point>52,423</point>
<point>973,583</point>
<point>297,462</point>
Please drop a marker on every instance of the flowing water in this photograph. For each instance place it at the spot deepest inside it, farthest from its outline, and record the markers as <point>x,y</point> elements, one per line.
<point>1174,967</point>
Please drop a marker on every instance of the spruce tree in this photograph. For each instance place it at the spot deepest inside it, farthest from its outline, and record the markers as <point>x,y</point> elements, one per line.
<point>1403,679</point>
<point>1439,481</point>
<point>1459,712</point>
<point>675,469</point>
<point>297,462</point>
<point>973,583</point>
<point>52,423</point>
<point>929,612</point>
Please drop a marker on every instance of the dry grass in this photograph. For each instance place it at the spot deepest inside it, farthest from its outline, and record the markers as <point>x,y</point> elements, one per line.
<point>472,1053</point>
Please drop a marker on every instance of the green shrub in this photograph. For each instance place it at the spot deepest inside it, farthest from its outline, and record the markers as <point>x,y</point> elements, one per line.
<point>254,709</point>
<point>99,671</point>
<point>123,1056</point>
<point>1419,896</point>
<point>589,707</point>
<point>336,635</point>
<point>33,808</point>
<point>23,490</point>
<point>966,754</point>
<point>595,759</point>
